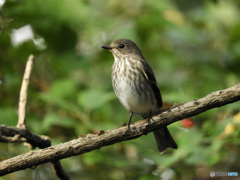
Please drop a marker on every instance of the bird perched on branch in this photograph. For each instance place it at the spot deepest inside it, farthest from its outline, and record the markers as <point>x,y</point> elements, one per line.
<point>136,88</point>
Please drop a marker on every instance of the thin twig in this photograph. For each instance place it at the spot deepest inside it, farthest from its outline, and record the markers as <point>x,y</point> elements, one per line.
<point>22,107</point>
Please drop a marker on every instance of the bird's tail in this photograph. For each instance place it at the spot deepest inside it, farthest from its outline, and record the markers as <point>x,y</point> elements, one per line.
<point>164,139</point>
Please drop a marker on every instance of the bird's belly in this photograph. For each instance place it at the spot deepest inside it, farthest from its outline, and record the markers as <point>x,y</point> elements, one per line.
<point>132,96</point>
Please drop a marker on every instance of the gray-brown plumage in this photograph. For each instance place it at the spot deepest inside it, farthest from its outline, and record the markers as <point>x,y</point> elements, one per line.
<point>135,86</point>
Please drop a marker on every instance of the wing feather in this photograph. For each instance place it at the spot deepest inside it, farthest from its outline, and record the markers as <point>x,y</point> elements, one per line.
<point>149,75</point>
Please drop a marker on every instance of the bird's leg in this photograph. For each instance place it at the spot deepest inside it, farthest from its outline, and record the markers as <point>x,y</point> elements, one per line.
<point>129,122</point>
<point>150,117</point>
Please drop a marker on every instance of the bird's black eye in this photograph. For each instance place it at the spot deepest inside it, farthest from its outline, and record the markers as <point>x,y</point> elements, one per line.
<point>121,46</point>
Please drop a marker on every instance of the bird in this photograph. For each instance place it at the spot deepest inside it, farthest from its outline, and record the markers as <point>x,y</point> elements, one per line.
<point>135,86</point>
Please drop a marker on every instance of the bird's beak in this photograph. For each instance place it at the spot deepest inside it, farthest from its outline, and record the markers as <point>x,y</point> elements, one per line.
<point>107,47</point>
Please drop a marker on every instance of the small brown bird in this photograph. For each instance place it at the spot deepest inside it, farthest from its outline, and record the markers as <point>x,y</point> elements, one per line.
<point>135,86</point>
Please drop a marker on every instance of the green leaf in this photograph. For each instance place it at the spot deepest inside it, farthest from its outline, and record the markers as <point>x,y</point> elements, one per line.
<point>8,116</point>
<point>55,119</point>
<point>92,99</point>
<point>62,88</point>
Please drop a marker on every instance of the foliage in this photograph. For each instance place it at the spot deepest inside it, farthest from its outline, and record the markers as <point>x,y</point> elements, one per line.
<point>194,49</point>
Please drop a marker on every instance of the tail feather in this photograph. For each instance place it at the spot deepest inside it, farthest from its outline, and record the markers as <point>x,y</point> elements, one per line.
<point>164,139</point>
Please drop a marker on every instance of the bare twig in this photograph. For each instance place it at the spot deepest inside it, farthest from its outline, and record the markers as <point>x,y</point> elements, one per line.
<point>22,107</point>
<point>92,142</point>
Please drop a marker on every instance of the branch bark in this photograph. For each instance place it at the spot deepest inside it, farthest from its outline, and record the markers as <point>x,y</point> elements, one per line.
<point>92,142</point>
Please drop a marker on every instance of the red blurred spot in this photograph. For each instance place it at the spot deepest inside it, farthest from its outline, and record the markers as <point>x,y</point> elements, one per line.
<point>187,123</point>
<point>96,132</point>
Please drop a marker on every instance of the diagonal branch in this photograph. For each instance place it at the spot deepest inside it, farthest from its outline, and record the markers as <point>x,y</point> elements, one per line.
<point>92,142</point>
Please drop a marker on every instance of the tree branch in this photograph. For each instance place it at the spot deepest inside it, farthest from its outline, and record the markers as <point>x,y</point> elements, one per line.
<point>92,142</point>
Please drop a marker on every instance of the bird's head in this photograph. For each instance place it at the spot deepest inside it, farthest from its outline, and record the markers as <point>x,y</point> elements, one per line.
<point>123,48</point>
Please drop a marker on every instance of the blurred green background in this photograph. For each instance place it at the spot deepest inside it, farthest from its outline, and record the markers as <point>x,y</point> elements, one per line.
<point>193,47</point>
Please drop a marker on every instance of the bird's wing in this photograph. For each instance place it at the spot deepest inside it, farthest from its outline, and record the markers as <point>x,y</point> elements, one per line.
<point>149,75</point>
